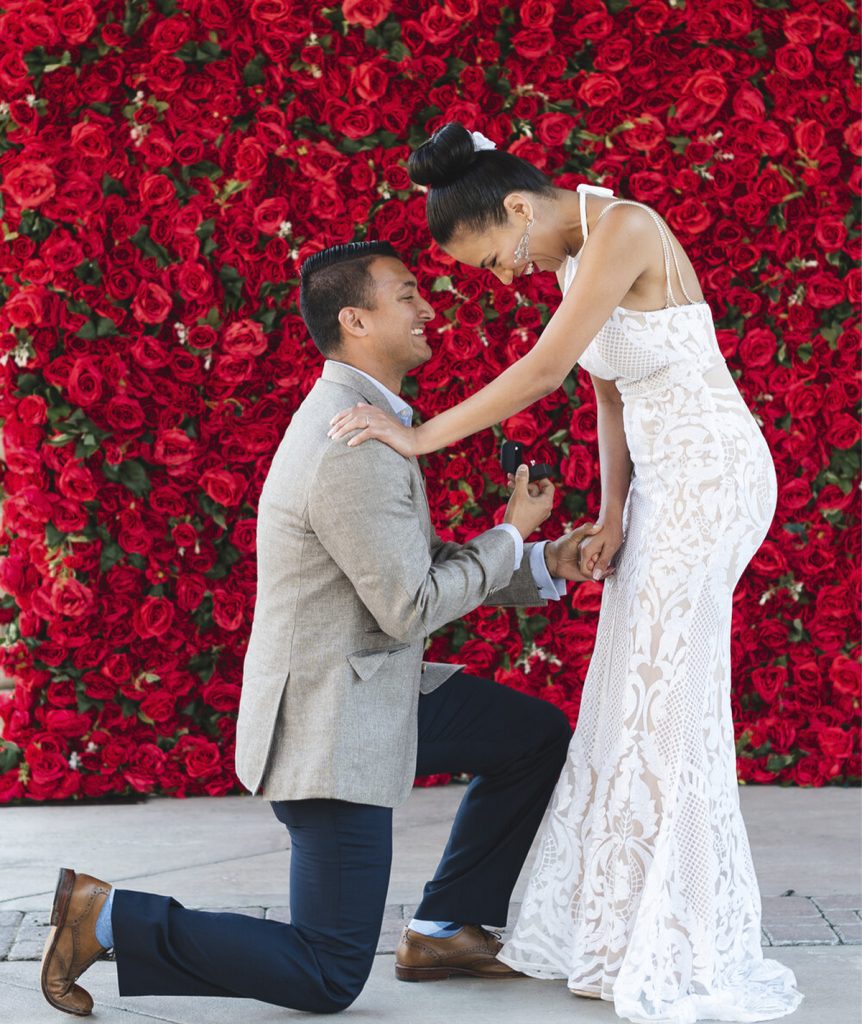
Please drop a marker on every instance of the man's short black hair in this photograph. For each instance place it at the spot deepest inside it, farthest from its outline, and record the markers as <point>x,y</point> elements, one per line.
<point>332,279</point>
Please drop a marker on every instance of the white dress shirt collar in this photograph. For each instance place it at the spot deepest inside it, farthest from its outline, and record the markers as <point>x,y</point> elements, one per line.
<point>402,410</point>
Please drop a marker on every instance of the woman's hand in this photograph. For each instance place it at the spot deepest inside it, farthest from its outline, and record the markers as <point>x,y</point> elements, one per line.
<point>372,422</point>
<point>598,551</point>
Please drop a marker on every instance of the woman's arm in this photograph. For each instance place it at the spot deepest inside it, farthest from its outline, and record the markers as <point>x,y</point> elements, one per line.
<point>615,256</point>
<point>614,458</point>
<point>598,550</point>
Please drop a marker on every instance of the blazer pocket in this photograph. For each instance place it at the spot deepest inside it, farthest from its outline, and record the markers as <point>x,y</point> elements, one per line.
<point>366,663</point>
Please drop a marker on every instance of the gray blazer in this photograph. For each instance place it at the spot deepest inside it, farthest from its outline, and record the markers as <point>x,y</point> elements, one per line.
<point>351,581</point>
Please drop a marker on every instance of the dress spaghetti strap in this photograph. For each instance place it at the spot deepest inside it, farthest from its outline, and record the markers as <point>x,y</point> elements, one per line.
<point>666,245</point>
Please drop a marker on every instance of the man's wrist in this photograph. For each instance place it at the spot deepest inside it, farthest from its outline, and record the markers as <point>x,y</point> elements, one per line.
<point>550,554</point>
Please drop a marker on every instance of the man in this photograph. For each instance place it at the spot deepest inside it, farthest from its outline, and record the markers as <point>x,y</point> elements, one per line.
<point>338,712</point>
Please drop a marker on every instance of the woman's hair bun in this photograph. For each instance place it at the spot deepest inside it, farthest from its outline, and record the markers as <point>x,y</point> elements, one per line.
<point>444,157</point>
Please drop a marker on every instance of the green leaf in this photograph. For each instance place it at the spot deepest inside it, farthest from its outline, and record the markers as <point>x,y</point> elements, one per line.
<point>99,327</point>
<point>35,227</point>
<point>28,383</point>
<point>135,14</point>
<point>112,186</point>
<point>205,169</point>
<point>10,755</point>
<point>252,73</point>
<point>141,238</point>
<point>200,54</point>
<point>775,762</point>
<point>53,537</point>
<point>111,554</point>
<point>89,272</point>
<point>232,282</point>
<point>134,476</point>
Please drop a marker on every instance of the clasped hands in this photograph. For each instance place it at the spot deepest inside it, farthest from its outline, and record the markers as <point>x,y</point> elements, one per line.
<point>582,554</point>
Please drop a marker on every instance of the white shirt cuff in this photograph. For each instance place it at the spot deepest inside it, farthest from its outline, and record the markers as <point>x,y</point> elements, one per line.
<point>517,538</point>
<point>551,588</point>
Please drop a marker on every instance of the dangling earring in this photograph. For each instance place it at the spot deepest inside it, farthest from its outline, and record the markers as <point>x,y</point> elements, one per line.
<point>522,252</point>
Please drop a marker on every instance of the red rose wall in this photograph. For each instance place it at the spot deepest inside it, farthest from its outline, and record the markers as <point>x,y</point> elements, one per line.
<point>167,165</point>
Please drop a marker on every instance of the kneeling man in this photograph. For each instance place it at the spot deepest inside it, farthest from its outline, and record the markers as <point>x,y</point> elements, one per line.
<point>338,710</point>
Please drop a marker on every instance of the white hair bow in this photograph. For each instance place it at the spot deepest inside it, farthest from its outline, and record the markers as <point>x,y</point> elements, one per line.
<point>481,141</point>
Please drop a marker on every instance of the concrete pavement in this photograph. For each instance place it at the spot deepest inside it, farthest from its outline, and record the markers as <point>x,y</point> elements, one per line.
<point>231,853</point>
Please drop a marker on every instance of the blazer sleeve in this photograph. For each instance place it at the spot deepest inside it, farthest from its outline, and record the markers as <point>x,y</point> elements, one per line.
<point>363,510</point>
<point>521,592</point>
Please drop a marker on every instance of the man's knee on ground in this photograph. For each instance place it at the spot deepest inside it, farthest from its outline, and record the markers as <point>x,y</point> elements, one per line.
<point>340,988</point>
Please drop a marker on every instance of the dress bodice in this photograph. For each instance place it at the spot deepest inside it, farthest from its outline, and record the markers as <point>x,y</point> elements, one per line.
<point>634,344</point>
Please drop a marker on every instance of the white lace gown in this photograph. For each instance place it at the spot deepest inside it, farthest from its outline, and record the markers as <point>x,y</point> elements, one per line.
<point>643,891</point>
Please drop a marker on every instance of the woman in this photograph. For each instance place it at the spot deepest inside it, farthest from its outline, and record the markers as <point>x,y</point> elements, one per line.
<point>643,891</point>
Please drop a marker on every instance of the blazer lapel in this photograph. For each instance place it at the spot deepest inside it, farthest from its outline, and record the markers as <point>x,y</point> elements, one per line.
<point>340,373</point>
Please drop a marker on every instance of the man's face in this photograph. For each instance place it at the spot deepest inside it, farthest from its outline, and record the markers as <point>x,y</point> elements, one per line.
<point>396,324</point>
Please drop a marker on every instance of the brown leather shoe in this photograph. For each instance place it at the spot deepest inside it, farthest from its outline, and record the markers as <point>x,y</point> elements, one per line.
<point>471,951</point>
<point>71,946</point>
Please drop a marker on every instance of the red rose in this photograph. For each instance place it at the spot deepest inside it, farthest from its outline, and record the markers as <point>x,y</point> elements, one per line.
<point>592,22</point>
<point>32,410</point>
<point>533,43</point>
<point>367,13</point>
<point>201,757</point>
<point>809,137</point>
<point>76,481</point>
<point>525,426</point>
<point>64,722</point>
<point>843,431</point>
<point>757,347</point>
<point>271,12</point>
<point>846,676</point>
<point>71,598</point>
<point>50,775</point>
<point>124,413</point>
<point>769,682</point>
<point>223,486</point>
<point>153,617</point>
<point>29,184</point>
<point>227,609</point>
<point>579,468</point>
<point>583,426</point>
<point>151,303</point>
<point>250,160</point>
<point>245,338</point>
<point>174,448</point>
<point>145,768</point>
<point>11,787</point>
<point>26,308</point>
<point>76,21</point>
<point>201,336</point>
<point>169,34</point>
<point>598,89</point>
<point>159,706</point>
<point>156,190</point>
<point>270,213</point>
<point>824,290</point>
<point>221,695</point>
<point>690,216</point>
<point>794,61</point>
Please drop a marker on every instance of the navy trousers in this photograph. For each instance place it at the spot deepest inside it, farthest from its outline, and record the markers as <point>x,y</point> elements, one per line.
<point>341,853</point>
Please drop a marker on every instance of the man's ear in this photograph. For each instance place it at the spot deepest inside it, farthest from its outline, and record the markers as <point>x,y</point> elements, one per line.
<point>518,204</point>
<point>350,318</point>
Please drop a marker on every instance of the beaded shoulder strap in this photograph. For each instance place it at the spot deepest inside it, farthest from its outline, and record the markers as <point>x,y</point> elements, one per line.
<point>667,247</point>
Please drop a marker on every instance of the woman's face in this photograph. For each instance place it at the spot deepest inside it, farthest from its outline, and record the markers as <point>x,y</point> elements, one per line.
<point>495,247</point>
